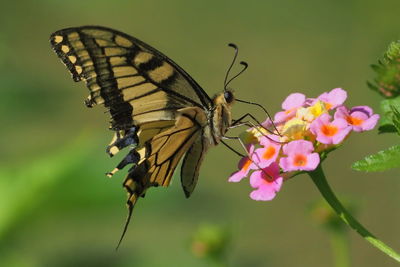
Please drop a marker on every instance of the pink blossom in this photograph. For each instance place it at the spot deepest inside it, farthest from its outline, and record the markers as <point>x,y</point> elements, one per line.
<point>360,118</point>
<point>244,166</point>
<point>308,130</point>
<point>294,100</point>
<point>290,105</point>
<point>334,98</point>
<point>268,153</point>
<point>267,181</point>
<point>299,156</point>
<point>328,132</point>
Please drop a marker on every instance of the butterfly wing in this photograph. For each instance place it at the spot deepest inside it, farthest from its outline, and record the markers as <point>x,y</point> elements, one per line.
<point>154,104</point>
<point>191,164</point>
<point>136,83</point>
<point>161,154</point>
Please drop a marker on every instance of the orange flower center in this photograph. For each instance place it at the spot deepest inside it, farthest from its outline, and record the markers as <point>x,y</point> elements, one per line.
<point>246,165</point>
<point>300,160</point>
<point>329,130</point>
<point>328,106</point>
<point>269,152</point>
<point>354,121</point>
<point>288,111</point>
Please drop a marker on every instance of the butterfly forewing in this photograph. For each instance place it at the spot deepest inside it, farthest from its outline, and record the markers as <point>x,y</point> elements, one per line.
<point>135,82</point>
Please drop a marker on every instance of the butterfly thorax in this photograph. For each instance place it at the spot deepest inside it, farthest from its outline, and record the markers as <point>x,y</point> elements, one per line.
<point>221,117</point>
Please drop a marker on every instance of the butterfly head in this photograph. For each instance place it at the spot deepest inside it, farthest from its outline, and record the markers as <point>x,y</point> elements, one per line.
<point>225,98</point>
<point>229,97</point>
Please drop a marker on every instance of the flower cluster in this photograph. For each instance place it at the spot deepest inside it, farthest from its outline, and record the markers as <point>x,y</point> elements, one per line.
<point>297,137</point>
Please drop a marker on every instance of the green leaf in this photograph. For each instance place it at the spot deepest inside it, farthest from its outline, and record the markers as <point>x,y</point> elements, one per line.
<point>393,51</point>
<point>381,161</point>
<point>387,128</point>
<point>396,118</point>
<point>390,119</point>
<point>387,103</point>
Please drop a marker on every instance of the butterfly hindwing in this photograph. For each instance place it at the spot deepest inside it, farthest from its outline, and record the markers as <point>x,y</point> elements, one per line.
<point>191,165</point>
<point>162,153</point>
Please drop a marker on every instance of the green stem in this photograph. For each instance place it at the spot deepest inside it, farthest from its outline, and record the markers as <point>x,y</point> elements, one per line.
<point>320,181</point>
<point>340,248</point>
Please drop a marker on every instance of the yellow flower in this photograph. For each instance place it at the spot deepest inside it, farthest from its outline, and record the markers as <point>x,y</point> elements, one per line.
<point>295,129</point>
<point>309,114</point>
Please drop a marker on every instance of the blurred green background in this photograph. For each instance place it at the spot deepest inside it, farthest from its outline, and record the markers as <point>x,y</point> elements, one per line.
<point>57,208</point>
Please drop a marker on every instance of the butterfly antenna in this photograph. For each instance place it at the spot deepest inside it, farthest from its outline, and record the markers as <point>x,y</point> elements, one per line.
<point>131,205</point>
<point>245,66</point>
<point>233,62</point>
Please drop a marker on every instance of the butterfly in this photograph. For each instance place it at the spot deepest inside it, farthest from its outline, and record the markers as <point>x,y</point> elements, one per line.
<point>156,108</point>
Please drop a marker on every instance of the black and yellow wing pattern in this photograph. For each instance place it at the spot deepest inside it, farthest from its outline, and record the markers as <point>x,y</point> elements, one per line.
<point>155,106</point>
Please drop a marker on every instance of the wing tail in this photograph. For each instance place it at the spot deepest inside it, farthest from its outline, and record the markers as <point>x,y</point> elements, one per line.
<point>136,184</point>
<point>131,204</point>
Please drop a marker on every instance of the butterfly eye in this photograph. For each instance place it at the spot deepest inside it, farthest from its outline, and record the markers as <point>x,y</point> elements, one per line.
<point>228,96</point>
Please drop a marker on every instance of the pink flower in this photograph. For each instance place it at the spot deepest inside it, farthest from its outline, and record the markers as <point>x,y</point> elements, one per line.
<point>299,156</point>
<point>268,153</point>
<point>361,118</point>
<point>334,98</point>
<point>244,166</point>
<point>308,130</point>
<point>328,132</point>
<point>267,181</point>
<point>290,105</point>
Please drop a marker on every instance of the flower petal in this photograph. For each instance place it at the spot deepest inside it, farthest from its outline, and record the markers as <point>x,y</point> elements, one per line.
<point>298,146</point>
<point>293,101</point>
<point>237,176</point>
<point>370,123</point>
<point>312,162</point>
<point>265,192</point>
<point>334,98</point>
<point>364,109</point>
<point>256,179</point>
<point>341,112</point>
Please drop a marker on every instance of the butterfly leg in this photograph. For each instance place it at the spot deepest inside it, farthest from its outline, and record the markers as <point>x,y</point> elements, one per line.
<point>128,138</point>
<point>248,124</point>
<point>233,150</point>
<point>252,125</point>
<point>239,122</point>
